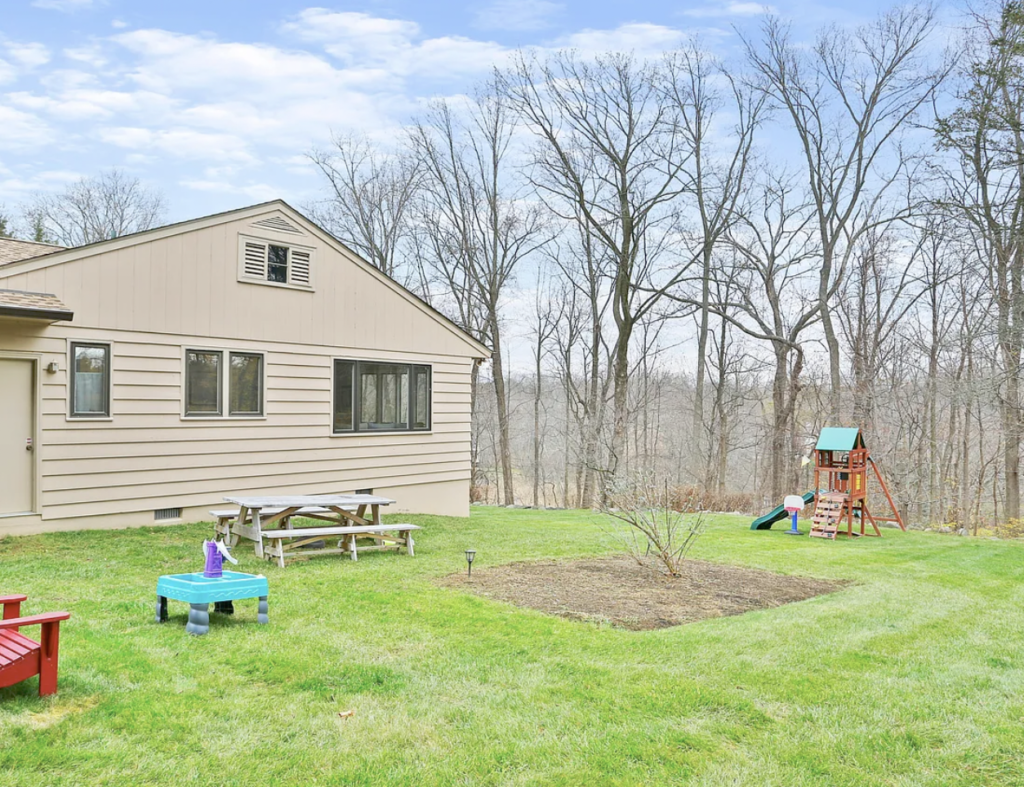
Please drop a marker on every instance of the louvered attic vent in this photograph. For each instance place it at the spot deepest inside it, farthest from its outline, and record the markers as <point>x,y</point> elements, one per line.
<point>278,224</point>
<point>263,261</point>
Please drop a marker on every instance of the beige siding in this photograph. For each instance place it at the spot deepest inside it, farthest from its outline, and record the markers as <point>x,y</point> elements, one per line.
<point>151,300</point>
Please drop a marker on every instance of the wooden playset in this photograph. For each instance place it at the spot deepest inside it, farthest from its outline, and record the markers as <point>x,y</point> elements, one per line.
<point>841,464</point>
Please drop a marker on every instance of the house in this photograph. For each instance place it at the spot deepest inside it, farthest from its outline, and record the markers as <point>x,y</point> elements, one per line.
<point>144,378</point>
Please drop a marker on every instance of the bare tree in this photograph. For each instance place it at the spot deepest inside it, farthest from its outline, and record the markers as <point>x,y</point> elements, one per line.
<point>583,263</point>
<point>848,97</point>
<point>609,155</point>
<point>487,230</point>
<point>882,285</point>
<point>772,301</point>
<point>89,210</point>
<point>546,314</point>
<point>985,192</point>
<point>371,195</point>
<point>702,91</point>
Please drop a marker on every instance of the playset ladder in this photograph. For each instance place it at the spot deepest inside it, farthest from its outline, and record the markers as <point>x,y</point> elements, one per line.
<point>828,513</point>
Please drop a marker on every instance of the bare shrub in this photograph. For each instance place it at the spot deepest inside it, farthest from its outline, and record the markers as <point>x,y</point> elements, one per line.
<point>660,523</point>
<point>690,498</point>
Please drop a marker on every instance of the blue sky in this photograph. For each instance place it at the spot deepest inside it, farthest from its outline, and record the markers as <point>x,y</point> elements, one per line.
<point>215,103</point>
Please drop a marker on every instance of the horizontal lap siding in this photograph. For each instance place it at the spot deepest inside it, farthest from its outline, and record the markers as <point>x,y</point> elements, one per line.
<point>148,457</point>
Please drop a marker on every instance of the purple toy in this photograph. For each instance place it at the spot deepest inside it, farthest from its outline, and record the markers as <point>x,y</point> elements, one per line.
<point>215,553</point>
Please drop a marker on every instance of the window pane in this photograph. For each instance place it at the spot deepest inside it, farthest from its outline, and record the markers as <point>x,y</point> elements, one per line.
<point>368,398</point>
<point>91,379</point>
<point>344,372</point>
<point>421,403</point>
<point>246,385</point>
<point>202,383</point>
<point>389,398</point>
<point>277,264</point>
<point>384,396</point>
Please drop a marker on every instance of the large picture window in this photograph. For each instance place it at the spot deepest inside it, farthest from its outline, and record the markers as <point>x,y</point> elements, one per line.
<point>90,380</point>
<point>213,377</point>
<point>381,397</point>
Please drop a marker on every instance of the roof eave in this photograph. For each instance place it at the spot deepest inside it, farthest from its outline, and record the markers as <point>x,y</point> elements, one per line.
<point>23,312</point>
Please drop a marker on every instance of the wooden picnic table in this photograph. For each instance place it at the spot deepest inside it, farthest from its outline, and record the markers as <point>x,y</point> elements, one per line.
<point>268,518</point>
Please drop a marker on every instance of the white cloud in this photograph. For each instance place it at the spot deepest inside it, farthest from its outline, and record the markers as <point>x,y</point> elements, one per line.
<point>30,55</point>
<point>392,48</point>
<point>734,8</point>
<point>90,55</point>
<point>181,143</point>
<point>641,38</point>
<point>22,130</point>
<point>518,14</point>
<point>68,6</point>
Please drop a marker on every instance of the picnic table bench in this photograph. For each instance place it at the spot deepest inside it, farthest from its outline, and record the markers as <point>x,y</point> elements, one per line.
<point>267,522</point>
<point>283,542</point>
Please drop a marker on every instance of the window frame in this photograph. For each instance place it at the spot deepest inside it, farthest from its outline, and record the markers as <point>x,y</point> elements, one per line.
<point>223,384</point>
<point>260,412</point>
<point>357,364</point>
<point>73,373</point>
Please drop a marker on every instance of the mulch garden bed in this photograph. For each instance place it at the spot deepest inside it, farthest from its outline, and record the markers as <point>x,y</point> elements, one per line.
<point>619,591</point>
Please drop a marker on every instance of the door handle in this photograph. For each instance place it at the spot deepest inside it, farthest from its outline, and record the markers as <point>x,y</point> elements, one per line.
<point>28,443</point>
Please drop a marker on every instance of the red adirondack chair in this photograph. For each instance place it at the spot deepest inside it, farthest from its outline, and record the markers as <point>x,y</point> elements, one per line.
<point>21,657</point>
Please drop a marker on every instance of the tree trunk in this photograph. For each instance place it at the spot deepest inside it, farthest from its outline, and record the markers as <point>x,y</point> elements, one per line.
<point>536,433</point>
<point>501,399</point>
<point>702,349</point>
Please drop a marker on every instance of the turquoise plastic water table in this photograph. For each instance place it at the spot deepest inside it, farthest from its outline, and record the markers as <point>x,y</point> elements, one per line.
<point>199,592</point>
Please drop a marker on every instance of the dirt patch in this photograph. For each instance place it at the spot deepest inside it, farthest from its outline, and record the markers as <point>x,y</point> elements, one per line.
<point>635,597</point>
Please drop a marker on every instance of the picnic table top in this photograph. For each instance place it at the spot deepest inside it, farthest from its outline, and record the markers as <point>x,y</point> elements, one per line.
<point>299,501</point>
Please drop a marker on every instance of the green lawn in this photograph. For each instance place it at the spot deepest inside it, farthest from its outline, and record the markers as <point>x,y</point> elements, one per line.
<point>913,675</point>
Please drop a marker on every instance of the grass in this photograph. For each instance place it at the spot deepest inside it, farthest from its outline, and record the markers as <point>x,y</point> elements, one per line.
<point>912,676</point>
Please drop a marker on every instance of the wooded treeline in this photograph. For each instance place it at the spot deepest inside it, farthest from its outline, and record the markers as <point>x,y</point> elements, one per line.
<point>698,264</point>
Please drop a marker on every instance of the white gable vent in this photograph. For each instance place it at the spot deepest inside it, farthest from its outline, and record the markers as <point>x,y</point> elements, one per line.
<point>277,224</point>
<point>254,260</point>
<point>299,267</point>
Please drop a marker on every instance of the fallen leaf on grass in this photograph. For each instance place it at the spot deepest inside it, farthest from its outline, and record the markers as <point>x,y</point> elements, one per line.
<point>346,713</point>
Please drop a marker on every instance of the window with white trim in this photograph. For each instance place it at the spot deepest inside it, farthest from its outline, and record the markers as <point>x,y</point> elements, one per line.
<point>263,261</point>
<point>216,377</point>
<point>370,396</point>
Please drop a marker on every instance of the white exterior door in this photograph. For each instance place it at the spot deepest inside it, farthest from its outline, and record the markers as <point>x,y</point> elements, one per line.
<point>17,432</point>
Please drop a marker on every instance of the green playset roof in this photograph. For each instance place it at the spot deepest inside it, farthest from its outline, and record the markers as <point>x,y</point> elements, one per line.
<point>839,438</point>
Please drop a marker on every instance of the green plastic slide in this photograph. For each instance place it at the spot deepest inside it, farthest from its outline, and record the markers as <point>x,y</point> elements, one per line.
<point>765,522</point>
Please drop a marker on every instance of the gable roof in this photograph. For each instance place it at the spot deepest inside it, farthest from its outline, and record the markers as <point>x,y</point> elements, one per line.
<point>59,256</point>
<point>839,438</point>
<point>14,250</point>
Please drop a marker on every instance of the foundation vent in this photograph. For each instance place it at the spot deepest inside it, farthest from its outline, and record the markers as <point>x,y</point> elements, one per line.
<point>166,513</point>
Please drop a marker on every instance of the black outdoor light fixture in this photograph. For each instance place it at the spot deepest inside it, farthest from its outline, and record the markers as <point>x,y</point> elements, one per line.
<point>470,554</point>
